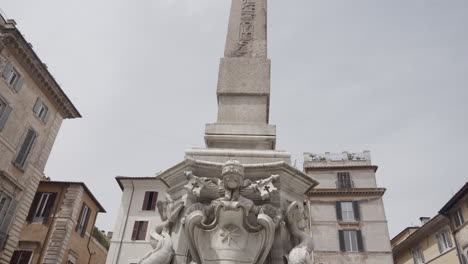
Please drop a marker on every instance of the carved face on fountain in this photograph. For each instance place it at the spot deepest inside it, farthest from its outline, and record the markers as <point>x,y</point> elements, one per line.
<point>233,175</point>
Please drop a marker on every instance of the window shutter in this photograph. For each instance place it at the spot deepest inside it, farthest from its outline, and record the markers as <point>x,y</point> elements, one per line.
<point>88,214</point>
<point>135,230</point>
<point>439,242</point>
<point>359,240</point>
<point>37,105</point>
<point>153,202</point>
<point>342,241</point>
<point>7,70</point>
<point>47,116</point>
<point>50,206</point>
<point>4,116</point>
<point>357,213</point>
<point>6,222</point>
<point>25,148</point>
<point>34,205</point>
<point>145,201</point>
<point>339,215</point>
<point>19,84</point>
<point>143,230</point>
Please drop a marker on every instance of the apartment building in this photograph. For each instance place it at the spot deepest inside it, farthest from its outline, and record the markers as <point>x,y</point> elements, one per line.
<point>32,108</point>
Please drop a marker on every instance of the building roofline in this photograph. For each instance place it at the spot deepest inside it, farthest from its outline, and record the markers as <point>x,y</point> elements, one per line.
<point>403,231</point>
<point>101,209</point>
<point>15,41</point>
<point>120,178</point>
<point>353,191</point>
<point>324,168</point>
<point>410,239</point>
<point>457,197</point>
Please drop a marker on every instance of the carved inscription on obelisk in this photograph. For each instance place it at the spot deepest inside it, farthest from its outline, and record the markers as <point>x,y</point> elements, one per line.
<point>246,28</point>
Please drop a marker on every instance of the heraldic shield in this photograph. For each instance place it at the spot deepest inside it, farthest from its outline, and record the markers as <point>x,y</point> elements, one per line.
<point>231,236</point>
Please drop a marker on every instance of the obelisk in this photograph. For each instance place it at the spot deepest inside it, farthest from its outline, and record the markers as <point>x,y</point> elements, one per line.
<point>244,83</point>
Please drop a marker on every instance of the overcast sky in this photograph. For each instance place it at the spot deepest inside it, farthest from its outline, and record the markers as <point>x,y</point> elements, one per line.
<point>386,76</point>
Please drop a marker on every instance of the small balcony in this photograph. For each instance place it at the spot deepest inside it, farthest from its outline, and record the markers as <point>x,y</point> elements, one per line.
<point>344,159</point>
<point>349,184</point>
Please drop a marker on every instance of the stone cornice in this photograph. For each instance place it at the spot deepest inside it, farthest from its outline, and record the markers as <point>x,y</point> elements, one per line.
<point>15,42</point>
<point>346,192</point>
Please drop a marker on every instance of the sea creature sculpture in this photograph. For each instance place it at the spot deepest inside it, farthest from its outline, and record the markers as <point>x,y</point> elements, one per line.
<point>300,254</point>
<point>162,252</point>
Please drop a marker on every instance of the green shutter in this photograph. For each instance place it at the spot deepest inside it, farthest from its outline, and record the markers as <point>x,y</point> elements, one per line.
<point>7,70</point>
<point>25,148</point>
<point>37,105</point>
<point>357,213</point>
<point>342,242</point>
<point>4,116</point>
<point>339,215</point>
<point>19,84</point>
<point>6,222</point>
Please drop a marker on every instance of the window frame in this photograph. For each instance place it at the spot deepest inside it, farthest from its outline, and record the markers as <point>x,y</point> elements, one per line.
<point>459,220</point>
<point>21,251</point>
<point>444,240</point>
<point>150,204</point>
<point>13,73</point>
<point>138,227</point>
<point>355,244</point>
<point>340,213</point>
<point>83,220</point>
<point>344,180</point>
<point>418,255</point>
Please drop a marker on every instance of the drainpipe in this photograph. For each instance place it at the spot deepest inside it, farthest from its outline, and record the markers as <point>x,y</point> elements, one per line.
<point>89,240</point>
<point>125,224</point>
<point>52,221</point>
<point>455,240</point>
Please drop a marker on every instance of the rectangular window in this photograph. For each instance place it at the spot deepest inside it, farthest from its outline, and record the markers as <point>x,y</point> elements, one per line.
<point>41,110</point>
<point>149,203</point>
<point>418,256</point>
<point>83,220</point>
<point>344,180</point>
<point>139,230</point>
<point>12,77</point>
<point>347,211</point>
<point>21,257</point>
<point>41,207</point>
<point>459,220</point>
<point>25,149</point>
<point>444,241</point>
<point>5,111</point>
<point>4,204</point>
<point>351,241</point>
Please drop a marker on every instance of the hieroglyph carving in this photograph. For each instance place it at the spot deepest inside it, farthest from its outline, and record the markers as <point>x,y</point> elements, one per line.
<point>246,27</point>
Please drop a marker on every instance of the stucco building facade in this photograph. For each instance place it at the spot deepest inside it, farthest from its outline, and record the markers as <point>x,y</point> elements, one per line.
<point>32,108</point>
<point>456,211</point>
<point>59,226</point>
<point>346,209</point>
<point>432,242</point>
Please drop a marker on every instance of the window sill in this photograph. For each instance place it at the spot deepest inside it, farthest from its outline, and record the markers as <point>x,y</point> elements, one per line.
<point>460,227</point>
<point>18,167</point>
<point>349,223</point>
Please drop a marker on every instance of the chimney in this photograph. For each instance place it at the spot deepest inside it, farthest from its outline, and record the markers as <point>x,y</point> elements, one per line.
<point>424,220</point>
